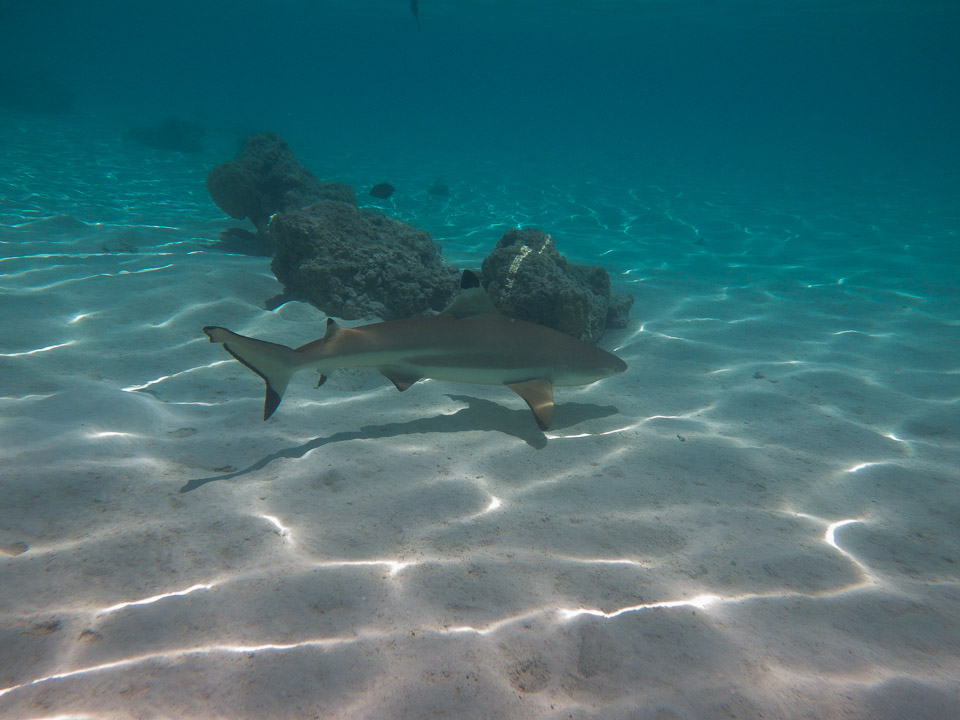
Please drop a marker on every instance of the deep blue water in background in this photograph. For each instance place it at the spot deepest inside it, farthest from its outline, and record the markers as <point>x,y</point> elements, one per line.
<point>598,86</point>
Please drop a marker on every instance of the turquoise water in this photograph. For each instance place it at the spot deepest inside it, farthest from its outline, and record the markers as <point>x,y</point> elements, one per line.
<point>758,519</point>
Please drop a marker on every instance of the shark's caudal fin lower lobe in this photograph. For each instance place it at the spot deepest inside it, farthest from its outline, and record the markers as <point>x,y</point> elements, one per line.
<point>274,363</point>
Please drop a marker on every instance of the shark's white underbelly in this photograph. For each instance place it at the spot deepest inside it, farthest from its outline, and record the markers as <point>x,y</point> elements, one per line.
<point>458,369</point>
<point>475,375</point>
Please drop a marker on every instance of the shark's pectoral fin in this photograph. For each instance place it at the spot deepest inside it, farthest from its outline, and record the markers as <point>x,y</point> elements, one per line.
<point>400,379</point>
<point>538,394</point>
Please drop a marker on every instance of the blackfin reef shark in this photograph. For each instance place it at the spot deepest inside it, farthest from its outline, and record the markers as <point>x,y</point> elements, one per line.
<point>469,342</point>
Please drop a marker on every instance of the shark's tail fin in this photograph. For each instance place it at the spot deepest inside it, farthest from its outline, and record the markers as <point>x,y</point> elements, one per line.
<point>274,363</point>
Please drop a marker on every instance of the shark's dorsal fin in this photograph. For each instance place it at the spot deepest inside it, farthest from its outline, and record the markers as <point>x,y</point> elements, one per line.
<point>538,394</point>
<point>472,300</point>
<point>332,329</point>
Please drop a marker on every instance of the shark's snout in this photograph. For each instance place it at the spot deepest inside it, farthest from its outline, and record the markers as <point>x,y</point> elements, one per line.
<point>616,366</point>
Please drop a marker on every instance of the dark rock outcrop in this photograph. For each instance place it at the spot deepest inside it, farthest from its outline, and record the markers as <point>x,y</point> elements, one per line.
<point>267,178</point>
<point>359,263</point>
<point>527,278</point>
<point>382,190</point>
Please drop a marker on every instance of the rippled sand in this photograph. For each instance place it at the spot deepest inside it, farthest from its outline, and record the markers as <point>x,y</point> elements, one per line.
<point>758,519</point>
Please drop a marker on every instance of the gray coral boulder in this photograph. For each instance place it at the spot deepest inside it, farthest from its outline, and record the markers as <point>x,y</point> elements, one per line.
<point>359,263</point>
<point>266,178</point>
<point>527,278</point>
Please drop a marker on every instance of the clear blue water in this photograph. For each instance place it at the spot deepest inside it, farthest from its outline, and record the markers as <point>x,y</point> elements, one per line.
<point>777,185</point>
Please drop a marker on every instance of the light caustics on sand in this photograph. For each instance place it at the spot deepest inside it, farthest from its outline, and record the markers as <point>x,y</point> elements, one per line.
<point>684,223</point>
<point>860,466</point>
<point>282,530</point>
<point>286,533</point>
<point>751,365</point>
<point>155,598</point>
<point>37,351</point>
<point>693,414</point>
<point>838,281</point>
<point>626,428</point>
<point>830,538</point>
<point>104,434</point>
<point>643,329</point>
<point>393,566</point>
<point>180,654</point>
<point>598,433</point>
<point>605,561</point>
<point>72,280</point>
<point>162,378</point>
<point>494,504</point>
<point>52,256</point>
<point>699,602</point>
<point>862,332</point>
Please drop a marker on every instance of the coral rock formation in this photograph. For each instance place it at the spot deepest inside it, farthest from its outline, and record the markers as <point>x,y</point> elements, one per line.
<point>528,278</point>
<point>267,178</point>
<point>359,263</point>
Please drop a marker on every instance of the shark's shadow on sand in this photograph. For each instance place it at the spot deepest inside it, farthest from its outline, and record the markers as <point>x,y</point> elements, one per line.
<point>478,415</point>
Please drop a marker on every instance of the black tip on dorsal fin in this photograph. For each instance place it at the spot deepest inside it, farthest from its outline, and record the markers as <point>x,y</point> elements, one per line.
<point>332,329</point>
<point>472,300</point>
<point>469,280</point>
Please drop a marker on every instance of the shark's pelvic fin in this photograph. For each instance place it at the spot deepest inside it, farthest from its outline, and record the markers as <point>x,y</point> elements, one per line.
<point>538,394</point>
<point>274,363</point>
<point>401,380</point>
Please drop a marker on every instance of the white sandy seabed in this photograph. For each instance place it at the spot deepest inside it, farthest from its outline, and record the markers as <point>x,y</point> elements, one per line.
<point>759,519</point>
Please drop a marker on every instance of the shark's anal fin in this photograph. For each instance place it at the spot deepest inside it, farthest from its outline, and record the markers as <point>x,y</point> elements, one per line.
<point>400,379</point>
<point>538,394</point>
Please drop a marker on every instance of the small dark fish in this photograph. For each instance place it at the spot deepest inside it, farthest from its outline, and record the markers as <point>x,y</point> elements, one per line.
<point>415,9</point>
<point>382,190</point>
